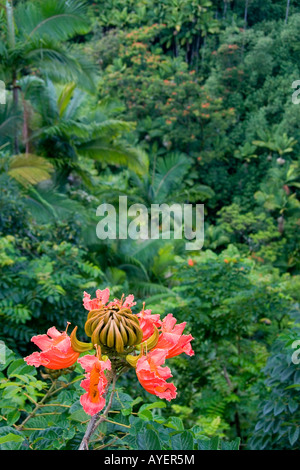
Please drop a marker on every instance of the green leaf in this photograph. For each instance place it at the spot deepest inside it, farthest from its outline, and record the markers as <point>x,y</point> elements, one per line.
<point>175,423</point>
<point>13,417</point>
<point>6,356</point>
<point>293,435</point>
<point>11,438</point>
<point>215,441</point>
<point>156,404</point>
<point>148,440</point>
<point>259,425</point>
<point>183,441</point>
<point>292,386</point>
<point>136,425</point>
<point>20,367</point>
<point>293,406</point>
<point>204,444</point>
<point>128,411</point>
<point>145,415</point>
<point>38,422</point>
<point>279,408</point>
<point>268,407</point>
<point>231,445</point>
<point>79,415</point>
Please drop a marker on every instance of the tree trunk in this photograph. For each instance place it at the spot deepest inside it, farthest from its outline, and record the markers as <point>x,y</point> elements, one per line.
<point>197,51</point>
<point>287,11</point>
<point>25,124</point>
<point>16,102</point>
<point>12,43</point>
<point>225,9</point>
<point>246,14</point>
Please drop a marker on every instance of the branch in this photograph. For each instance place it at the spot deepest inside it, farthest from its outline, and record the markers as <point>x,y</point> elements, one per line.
<point>112,443</point>
<point>38,405</point>
<point>96,420</point>
<point>227,378</point>
<point>52,391</point>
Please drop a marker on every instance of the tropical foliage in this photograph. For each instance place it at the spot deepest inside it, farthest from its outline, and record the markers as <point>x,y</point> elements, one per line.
<point>178,101</point>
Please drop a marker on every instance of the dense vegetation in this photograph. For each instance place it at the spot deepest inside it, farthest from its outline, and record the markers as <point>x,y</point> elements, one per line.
<point>186,101</point>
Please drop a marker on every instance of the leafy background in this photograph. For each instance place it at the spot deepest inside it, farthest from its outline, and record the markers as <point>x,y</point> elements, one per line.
<point>186,101</point>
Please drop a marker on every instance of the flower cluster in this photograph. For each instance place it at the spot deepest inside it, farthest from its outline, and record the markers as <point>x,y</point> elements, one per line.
<point>141,340</point>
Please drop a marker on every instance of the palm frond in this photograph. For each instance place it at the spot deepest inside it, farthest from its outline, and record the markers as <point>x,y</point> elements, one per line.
<point>61,65</point>
<point>130,262</point>
<point>169,173</point>
<point>63,128</point>
<point>65,97</point>
<point>47,205</point>
<point>115,276</point>
<point>29,169</point>
<point>109,128</point>
<point>31,87</point>
<point>74,106</point>
<point>57,19</point>
<point>115,154</point>
<point>146,251</point>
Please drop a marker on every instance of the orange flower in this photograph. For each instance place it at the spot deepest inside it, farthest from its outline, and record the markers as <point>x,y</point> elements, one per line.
<point>102,297</point>
<point>190,262</point>
<point>57,352</point>
<point>147,323</point>
<point>172,340</point>
<point>153,377</point>
<point>95,382</point>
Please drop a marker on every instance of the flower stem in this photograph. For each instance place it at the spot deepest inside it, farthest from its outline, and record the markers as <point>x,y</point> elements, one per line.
<point>96,420</point>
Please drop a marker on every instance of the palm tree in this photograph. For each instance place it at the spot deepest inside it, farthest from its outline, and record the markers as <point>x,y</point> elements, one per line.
<point>71,126</point>
<point>166,182</point>
<point>31,43</point>
<point>276,142</point>
<point>26,169</point>
<point>246,14</point>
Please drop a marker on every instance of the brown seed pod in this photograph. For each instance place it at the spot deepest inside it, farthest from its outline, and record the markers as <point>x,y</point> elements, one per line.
<point>113,327</point>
